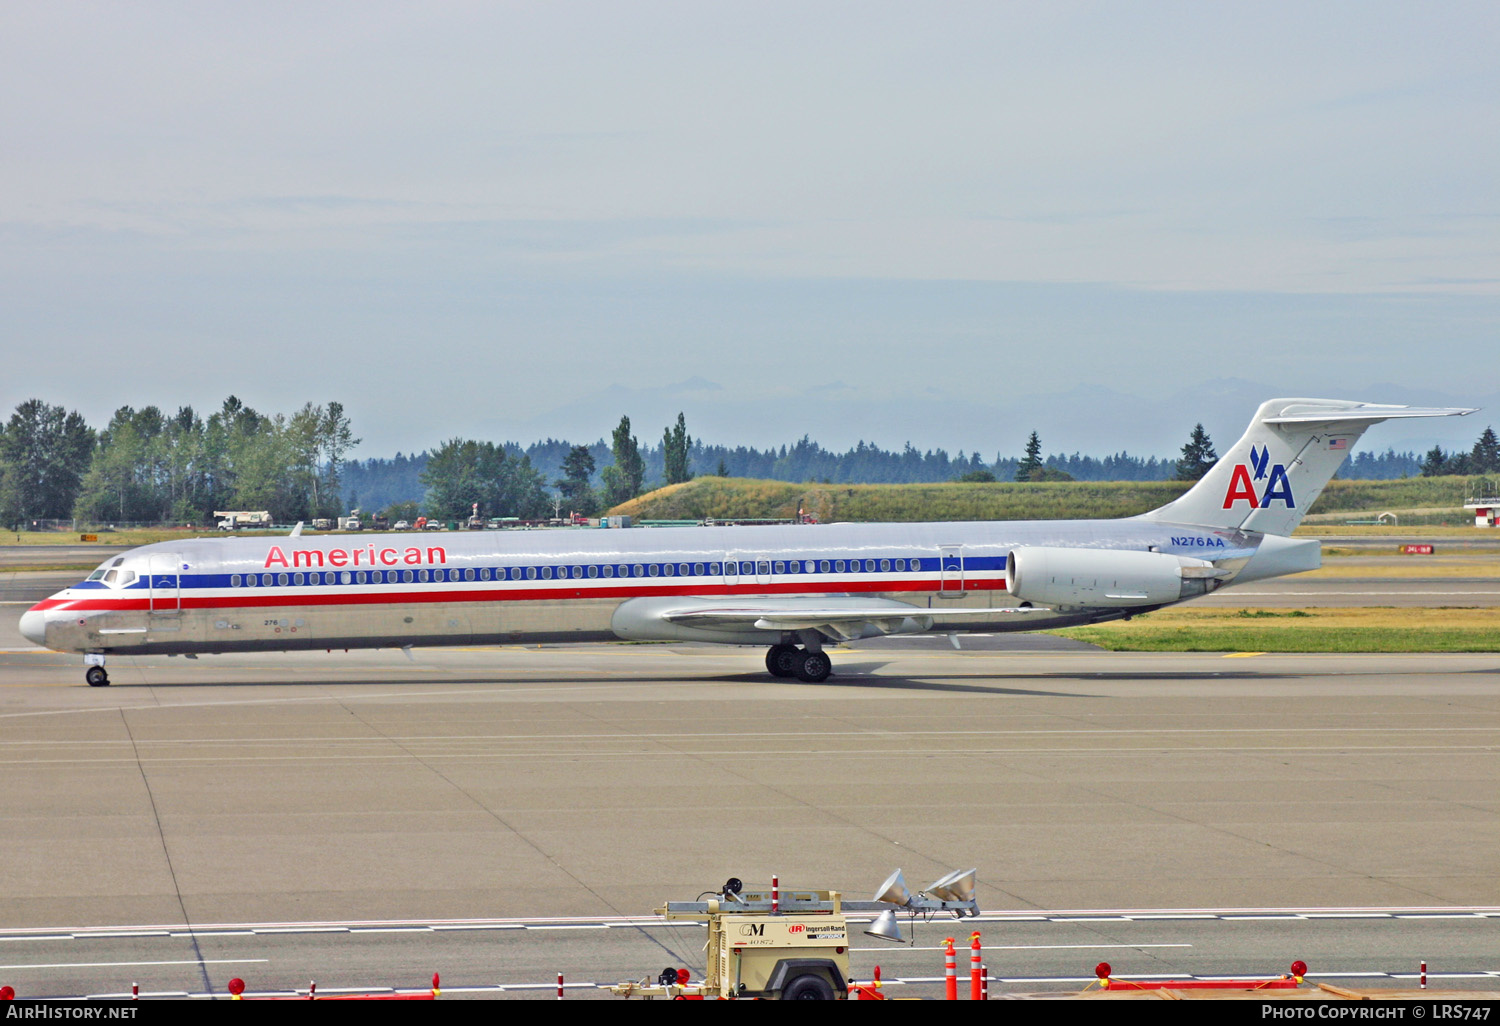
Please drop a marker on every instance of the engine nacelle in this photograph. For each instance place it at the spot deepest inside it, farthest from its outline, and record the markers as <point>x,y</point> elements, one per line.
<point>1105,577</point>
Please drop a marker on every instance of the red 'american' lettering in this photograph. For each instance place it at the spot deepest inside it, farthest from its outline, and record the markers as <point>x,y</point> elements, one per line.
<point>369,556</point>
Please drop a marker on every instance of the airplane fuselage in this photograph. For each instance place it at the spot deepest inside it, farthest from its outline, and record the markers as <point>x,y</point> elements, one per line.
<point>526,587</point>
<point>792,588</point>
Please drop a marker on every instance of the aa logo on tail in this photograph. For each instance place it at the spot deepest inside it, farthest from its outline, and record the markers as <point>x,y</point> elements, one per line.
<point>1242,486</point>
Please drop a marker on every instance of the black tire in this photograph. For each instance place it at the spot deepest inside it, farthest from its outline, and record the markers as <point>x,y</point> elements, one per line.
<point>96,677</point>
<point>782,660</point>
<point>815,667</point>
<point>808,988</point>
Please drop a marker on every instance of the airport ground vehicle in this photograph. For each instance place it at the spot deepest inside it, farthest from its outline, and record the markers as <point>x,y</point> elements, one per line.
<point>792,588</point>
<point>233,519</point>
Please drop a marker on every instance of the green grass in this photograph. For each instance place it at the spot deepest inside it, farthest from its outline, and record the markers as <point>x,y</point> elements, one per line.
<point>1381,629</point>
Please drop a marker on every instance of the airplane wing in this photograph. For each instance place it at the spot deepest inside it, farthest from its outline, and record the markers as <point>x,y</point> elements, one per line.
<point>847,619</point>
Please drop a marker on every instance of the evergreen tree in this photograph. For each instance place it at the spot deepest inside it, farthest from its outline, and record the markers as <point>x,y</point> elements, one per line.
<point>1485,459</point>
<point>622,480</point>
<point>1032,461</point>
<point>675,444</point>
<point>574,484</point>
<point>384,482</point>
<point>1436,463</point>
<point>1198,456</point>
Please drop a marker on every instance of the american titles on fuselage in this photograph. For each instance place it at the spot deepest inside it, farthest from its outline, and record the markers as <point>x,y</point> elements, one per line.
<point>434,555</point>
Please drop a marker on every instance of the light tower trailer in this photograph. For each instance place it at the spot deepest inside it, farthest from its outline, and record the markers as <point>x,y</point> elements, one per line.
<point>787,947</point>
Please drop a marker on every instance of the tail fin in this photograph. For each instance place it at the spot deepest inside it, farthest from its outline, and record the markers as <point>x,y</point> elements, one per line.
<point>1272,475</point>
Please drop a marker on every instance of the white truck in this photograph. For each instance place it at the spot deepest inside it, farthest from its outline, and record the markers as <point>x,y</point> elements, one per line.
<point>233,519</point>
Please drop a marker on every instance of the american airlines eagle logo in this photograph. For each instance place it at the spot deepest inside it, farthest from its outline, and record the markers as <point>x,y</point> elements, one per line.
<point>1243,486</point>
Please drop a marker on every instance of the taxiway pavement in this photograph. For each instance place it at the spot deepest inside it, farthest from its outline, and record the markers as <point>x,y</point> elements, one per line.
<point>602,780</point>
<point>453,798</point>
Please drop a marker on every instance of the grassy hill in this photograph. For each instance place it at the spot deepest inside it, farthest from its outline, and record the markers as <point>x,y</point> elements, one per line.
<point>729,498</point>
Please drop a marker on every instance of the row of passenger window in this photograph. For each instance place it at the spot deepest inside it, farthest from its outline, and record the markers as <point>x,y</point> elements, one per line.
<point>745,568</point>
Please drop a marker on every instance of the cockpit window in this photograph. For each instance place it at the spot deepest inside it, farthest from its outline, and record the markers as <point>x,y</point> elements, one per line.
<point>109,578</point>
<point>118,561</point>
<point>97,574</point>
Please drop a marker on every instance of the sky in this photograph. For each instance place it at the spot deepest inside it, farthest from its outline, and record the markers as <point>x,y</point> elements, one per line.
<point>948,224</point>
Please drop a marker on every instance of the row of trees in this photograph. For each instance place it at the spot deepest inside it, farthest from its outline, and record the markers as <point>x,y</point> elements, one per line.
<point>501,480</point>
<point>1482,459</point>
<point>1198,457</point>
<point>585,482</point>
<point>147,466</point>
<point>581,486</point>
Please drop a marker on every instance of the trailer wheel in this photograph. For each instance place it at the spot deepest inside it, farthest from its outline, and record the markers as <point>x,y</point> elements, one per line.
<point>808,987</point>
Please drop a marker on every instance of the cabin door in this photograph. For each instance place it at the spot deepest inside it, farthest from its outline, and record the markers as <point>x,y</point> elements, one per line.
<point>951,571</point>
<point>165,590</point>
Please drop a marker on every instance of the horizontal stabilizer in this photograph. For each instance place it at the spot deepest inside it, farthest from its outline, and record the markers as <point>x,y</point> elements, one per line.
<point>1304,412</point>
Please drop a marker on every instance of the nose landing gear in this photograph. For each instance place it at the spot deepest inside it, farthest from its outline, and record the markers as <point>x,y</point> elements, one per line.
<point>96,677</point>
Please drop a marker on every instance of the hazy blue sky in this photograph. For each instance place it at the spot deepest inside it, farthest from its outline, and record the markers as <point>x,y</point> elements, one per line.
<point>944,223</point>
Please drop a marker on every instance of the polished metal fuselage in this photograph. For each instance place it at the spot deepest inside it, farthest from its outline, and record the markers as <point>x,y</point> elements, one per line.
<point>528,587</point>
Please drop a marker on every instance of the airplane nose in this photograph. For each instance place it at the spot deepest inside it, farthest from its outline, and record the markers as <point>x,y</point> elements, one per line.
<point>34,626</point>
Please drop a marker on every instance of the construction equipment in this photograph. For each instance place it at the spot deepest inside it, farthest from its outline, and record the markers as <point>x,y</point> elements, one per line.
<point>233,519</point>
<point>792,945</point>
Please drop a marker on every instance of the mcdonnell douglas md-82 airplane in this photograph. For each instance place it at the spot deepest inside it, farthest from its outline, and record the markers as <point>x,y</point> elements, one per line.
<point>792,588</point>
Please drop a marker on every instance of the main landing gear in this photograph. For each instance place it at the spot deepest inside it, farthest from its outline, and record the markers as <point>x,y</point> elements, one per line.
<point>811,666</point>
